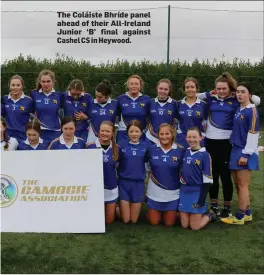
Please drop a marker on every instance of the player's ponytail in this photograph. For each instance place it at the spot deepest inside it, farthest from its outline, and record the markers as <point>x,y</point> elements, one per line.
<point>227,78</point>
<point>5,136</point>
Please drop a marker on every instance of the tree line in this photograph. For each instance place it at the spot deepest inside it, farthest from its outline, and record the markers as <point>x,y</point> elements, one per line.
<point>67,69</point>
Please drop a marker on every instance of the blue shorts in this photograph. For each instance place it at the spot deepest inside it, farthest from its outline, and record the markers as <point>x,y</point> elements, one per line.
<point>252,164</point>
<point>181,139</point>
<point>82,134</point>
<point>49,135</point>
<point>162,206</point>
<point>131,190</point>
<point>19,136</point>
<point>189,196</point>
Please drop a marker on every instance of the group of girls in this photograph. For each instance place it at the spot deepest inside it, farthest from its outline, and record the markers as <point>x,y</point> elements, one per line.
<point>220,126</point>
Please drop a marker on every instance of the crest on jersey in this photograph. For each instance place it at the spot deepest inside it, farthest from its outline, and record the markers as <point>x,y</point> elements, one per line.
<point>197,162</point>
<point>142,104</point>
<point>54,101</point>
<point>111,111</point>
<point>241,116</point>
<point>170,112</point>
<point>22,108</point>
<point>198,113</point>
<point>174,159</point>
<point>230,102</point>
<point>84,104</point>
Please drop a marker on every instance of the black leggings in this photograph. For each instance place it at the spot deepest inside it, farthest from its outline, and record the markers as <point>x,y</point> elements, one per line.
<point>219,151</point>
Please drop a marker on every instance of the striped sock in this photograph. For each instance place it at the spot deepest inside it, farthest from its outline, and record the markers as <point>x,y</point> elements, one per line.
<point>227,205</point>
<point>214,202</point>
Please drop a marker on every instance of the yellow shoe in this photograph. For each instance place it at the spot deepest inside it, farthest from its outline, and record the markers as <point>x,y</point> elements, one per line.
<point>248,218</point>
<point>233,220</point>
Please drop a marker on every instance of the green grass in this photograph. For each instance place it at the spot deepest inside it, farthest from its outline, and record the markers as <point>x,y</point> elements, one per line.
<point>142,248</point>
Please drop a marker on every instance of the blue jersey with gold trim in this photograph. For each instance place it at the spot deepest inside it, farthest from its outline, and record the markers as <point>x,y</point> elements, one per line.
<point>165,166</point>
<point>47,109</point>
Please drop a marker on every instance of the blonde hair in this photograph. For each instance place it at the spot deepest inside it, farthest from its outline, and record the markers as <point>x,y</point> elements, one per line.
<point>171,128</point>
<point>44,72</point>
<point>115,151</point>
<point>137,77</point>
<point>76,84</point>
<point>16,77</point>
<point>227,78</point>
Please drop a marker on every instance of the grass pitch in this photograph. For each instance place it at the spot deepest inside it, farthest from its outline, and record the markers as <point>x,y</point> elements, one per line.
<point>142,248</point>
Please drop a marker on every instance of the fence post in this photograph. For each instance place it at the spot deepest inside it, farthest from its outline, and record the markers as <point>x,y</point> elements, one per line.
<point>168,39</point>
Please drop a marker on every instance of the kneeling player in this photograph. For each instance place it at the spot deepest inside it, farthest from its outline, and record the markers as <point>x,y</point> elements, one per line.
<point>196,177</point>
<point>132,173</point>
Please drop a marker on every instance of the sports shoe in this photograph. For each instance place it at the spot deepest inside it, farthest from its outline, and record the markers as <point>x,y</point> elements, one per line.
<point>233,220</point>
<point>248,218</point>
<point>215,210</point>
<point>225,213</point>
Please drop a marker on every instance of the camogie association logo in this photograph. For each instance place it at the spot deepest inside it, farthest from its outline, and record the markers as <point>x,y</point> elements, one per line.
<point>8,192</point>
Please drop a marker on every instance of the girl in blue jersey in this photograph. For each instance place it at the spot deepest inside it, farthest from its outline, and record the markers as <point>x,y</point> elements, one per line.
<point>47,105</point>
<point>163,109</point>
<point>132,105</point>
<point>7,143</point>
<point>67,140</point>
<point>222,108</point>
<point>164,181</point>
<point>76,104</point>
<point>192,112</point>
<point>16,109</point>
<point>244,154</point>
<point>110,157</point>
<point>132,173</point>
<point>33,141</point>
<point>102,108</point>
<point>196,177</point>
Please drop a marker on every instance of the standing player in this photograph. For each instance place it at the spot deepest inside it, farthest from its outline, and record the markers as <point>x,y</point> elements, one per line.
<point>192,112</point>
<point>164,181</point>
<point>163,109</point>
<point>132,173</point>
<point>16,109</point>
<point>222,108</point>
<point>102,108</point>
<point>196,177</point>
<point>47,104</point>
<point>76,104</point>
<point>244,154</point>
<point>133,105</point>
<point>7,143</point>
<point>33,141</point>
<point>110,157</point>
<point>67,140</point>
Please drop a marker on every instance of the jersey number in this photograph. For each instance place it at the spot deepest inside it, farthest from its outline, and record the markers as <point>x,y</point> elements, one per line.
<point>134,153</point>
<point>102,112</point>
<point>165,159</point>
<point>161,113</point>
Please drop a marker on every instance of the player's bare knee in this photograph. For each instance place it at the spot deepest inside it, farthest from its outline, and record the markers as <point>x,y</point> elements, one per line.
<point>195,227</point>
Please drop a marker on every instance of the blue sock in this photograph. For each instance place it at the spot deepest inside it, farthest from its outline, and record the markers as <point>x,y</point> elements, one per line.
<point>240,214</point>
<point>248,212</point>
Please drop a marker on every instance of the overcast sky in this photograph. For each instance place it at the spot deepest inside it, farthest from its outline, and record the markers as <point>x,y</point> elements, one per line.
<point>194,33</point>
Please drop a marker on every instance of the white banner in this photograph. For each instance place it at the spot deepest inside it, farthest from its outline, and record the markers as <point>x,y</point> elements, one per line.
<point>52,191</point>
